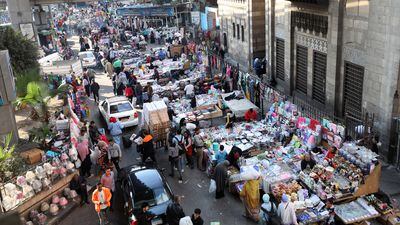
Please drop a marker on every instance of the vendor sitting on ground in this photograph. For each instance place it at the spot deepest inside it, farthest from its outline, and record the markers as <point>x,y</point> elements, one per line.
<point>307,162</point>
<point>331,154</point>
<point>230,119</point>
<point>233,156</point>
<point>250,115</point>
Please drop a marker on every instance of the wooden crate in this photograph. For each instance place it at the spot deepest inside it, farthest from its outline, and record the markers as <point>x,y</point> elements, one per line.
<point>32,156</point>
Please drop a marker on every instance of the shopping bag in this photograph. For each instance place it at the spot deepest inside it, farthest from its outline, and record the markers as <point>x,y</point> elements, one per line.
<point>78,163</point>
<point>213,186</point>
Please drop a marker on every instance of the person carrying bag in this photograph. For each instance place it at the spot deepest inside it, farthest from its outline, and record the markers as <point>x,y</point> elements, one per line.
<point>268,212</point>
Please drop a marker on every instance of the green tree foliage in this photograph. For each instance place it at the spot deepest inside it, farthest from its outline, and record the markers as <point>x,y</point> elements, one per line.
<point>22,51</point>
<point>24,78</point>
<point>37,98</point>
<point>6,149</point>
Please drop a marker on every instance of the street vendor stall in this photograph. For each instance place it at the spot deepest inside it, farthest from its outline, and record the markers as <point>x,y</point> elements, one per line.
<point>41,192</point>
<point>237,105</point>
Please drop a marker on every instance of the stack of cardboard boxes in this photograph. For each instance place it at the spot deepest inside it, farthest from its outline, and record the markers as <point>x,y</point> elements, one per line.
<point>156,120</point>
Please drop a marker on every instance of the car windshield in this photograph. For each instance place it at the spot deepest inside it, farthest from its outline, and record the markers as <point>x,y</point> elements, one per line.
<point>154,197</point>
<point>120,107</point>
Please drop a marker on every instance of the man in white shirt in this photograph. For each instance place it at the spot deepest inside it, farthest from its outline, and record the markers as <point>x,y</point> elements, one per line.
<point>189,90</point>
<point>286,211</point>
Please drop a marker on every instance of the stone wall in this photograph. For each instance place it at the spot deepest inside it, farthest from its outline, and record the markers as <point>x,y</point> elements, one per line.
<point>371,39</point>
<point>363,32</point>
<point>241,13</point>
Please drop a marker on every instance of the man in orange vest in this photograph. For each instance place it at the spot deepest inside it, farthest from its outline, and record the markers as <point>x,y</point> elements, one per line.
<point>101,198</point>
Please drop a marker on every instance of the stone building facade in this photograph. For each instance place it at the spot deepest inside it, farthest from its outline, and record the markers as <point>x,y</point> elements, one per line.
<point>342,56</point>
<point>241,43</point>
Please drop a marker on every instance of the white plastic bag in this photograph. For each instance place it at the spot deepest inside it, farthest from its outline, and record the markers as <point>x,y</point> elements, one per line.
<point>78,163</point>
<point>185,221</point>
<point>213,186</point>
<point>249,173</point>
<point>139,141</point>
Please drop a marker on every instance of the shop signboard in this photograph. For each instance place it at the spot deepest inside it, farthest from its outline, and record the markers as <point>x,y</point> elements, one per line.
<point>195,17</point>
<point>27,31</point>
<point>146,11</point>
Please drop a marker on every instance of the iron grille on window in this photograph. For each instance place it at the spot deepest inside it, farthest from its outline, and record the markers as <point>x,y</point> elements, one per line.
<point>319,77</point>
<point>301,68</point>
<point>238,31</point>
<point>280,59</point>
<point>242,33</point>
<point>310,22</point>
<point>353,89</point>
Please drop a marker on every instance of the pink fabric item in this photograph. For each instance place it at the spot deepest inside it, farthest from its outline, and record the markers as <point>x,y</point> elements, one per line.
<point>83,149</point>
<point>108,181</point>
<point>311,141</point>
<point>300,120</point>
<point>333,128</point>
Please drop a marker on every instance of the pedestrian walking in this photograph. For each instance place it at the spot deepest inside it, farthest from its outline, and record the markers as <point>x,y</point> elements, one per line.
<point>196,217</point>
<point>174,211</point>
<point>93,132</point>
<point>174,158</point>
<point>86,85</point>
<point>267,212</point>
<point>199,148</point>
<point>286,211</point>
<point>114,154</point>
<point>149,91</point>
<point>144,217</point>
<point>109,69</point>
<point>148,147</point>
<point>84,155</point>
<point>220,176</point>
<point>139,94</point>
<point>95,87</point>
<point>101,198</point>
<point>250,196</point>
<point>108,181</point>
<point>188,149</point>
<point>115,128</point>
<point>78,184</point>
<point>178,141</point>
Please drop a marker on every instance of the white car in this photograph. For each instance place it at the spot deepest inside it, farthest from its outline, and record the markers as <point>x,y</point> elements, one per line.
<point>120,108</point>
<point>88,59</point>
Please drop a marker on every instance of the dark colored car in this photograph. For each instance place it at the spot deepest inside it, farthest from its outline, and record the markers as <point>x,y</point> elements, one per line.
<point>145,184</point>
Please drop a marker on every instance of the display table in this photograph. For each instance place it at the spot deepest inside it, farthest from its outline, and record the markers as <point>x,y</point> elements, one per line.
<point>238,107</point>
<point>355,211</point>
<point>36,200</point>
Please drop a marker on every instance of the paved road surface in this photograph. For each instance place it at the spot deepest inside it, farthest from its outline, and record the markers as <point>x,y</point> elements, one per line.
<point>194,187</point>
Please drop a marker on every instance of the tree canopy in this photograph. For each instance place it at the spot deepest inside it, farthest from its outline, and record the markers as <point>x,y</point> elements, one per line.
<point>23,52</point>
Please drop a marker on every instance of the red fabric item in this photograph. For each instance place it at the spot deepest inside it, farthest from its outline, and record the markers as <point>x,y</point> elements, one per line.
<point>104,138</point>
<point>128,92</point>
<point>189,151</point>
<point>313,124</point>
<point>250,116</point>
<point>330,155</point>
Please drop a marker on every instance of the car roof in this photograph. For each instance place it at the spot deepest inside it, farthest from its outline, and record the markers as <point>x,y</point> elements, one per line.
<point>117,99</point>
<point>145,178</point>
<point>86,53</point>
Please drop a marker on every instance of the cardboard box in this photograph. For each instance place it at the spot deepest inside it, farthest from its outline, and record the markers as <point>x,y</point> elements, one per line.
<point>32,156</point>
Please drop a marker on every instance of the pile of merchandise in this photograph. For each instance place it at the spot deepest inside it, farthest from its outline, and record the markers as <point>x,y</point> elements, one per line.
<point>156,120</point>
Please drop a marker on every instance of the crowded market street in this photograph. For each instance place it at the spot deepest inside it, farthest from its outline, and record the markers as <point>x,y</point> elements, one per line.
<point>194,188</point>
<point>183,113</point>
